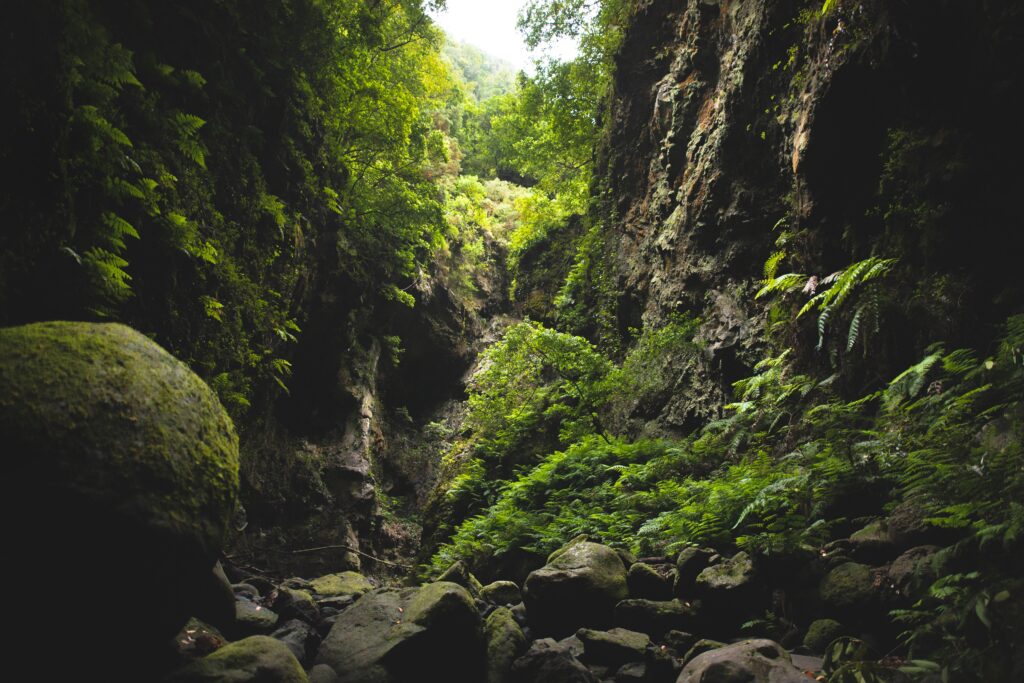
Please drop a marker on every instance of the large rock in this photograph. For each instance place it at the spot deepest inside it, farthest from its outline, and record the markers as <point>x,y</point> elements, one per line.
<point>345,584</point>
<point>656,617</point>
<point>126,468</point>
<point>751,661</point>
<point>689,564</point>
<point>549,662</point>
<point>580,586</point>
<point>652,582</point>
<point>613,648</point>
<point>505,643</point>
<point>427,633</point>
<point>849,589</point>
<point>501,593</point>
<point>258,659</point>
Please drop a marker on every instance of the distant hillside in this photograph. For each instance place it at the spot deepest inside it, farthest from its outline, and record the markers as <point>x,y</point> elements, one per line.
<point>487,75</point>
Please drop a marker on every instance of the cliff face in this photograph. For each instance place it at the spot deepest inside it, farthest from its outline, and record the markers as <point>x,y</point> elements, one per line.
<point>877,129</point>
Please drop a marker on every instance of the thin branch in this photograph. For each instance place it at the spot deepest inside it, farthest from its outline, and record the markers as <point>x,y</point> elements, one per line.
<point>354,550</point>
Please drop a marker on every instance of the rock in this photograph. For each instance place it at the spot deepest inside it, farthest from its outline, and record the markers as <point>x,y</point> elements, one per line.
<point>293,603</point>
<point>873,543</point>
<point>505,643</point>
<point>460,574</point>
<point>263,585</point>
<point>427,633</point>
<point>127,466</point>
<point>634,672</point>
<point>321,673</point>
<point>501,593</point>
<point>301,638</point>
<point>580,587</point>
<point>913,572</point>
<point>197,639</point>
<point>751,661</point>
<point>245,590</point>
<point>649,582</point>
<point>547,662</point>
<point>821,633</point>
<point>343,585</point>
<point>700,647</point>
<point>690,563</point>
<point>613,648</point>
<point>660,666</point>
<point>655,617</point>
<point>728,580</point>
<point>258,659</point>
<point>573,645</point>
<point>849,589</point>
<point>679,641</point>
<point>252,618</point>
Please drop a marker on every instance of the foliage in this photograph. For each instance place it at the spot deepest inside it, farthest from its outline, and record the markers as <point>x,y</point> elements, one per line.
<point>192,188</point>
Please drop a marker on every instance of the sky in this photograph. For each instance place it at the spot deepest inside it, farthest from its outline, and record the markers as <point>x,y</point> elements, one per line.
<point>491,26</point>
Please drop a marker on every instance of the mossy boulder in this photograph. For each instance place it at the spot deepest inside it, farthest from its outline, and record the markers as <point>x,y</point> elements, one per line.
<point>127,471</point>
<point>258,659</point>
<point>750,661</point>
<point>821,633</point>
<point>655,617</point>
<point>849,589</point>
<point>345,584</point>
<point>614,647</point>
<point>505,643</point>
<point>427,633</point>
<point>579,587</point>
<point>501,593</point>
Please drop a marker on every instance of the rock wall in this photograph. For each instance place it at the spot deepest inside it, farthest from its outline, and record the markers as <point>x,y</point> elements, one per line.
<point>878,128</point>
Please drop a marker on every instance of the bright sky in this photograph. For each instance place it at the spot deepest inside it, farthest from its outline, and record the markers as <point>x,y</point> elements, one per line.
<point>491,26</point>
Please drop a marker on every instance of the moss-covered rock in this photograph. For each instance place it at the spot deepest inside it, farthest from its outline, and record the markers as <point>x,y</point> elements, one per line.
<point>505,643</point>
<point>501,593</point>
<point>821,633</point>
<point>258,659</point>
<point>580,587</point>
<point>849,588</point>
<point>344,584</point>
<point>459,573</point>
<point>655,617</point>
<point>127,466</point>
<point>614,647</point>
<point>429,633</point>
<point>750,661</point>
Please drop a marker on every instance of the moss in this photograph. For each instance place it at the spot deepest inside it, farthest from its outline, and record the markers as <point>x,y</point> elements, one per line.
<point>258,658</point>
<point>345,583</point>
<point>821,633</point>
<point>848,586</point>
<point>102,412</point>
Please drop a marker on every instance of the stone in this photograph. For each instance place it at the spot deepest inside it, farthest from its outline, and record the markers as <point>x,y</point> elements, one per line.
<point>580,587</point>
<point>655,617</point>
<point>342,585</point>
<point>252,618</point>
<point>245,590</point>
<point>912,573</point>
<point>197,639</point>
<point>300,637</point>
<point>460,574</point>
<point>614,647</point>
<point>127,466</point>
<point>822,632</point>
<point>689,564</point>
<point>874,543</point>
<point>679,641</point>
<point>321,673</point>
<point>431,633</point>
<point>849,589</point>
<point>634,672</point>
<point>700,647</point>
<point>293,603</point>
<point>501,593</point>
<point>726,580</point>
<point>750,661</point>
<point>650,582</point>
<point>504,642</point>
<point>547,662</point>
<point>257,659</point>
